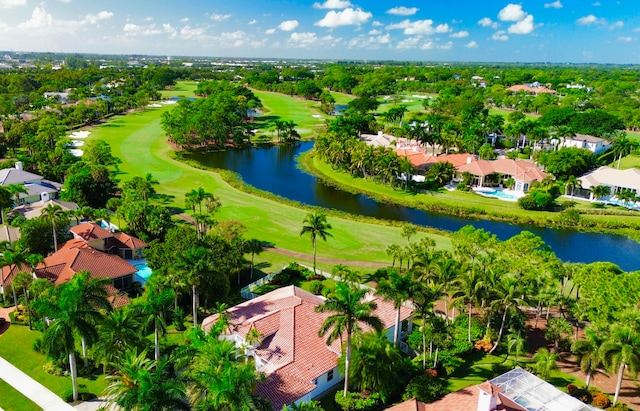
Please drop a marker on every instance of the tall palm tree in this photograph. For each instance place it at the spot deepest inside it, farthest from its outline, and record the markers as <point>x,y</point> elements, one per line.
<point>255,247</point>
<point>5,202</point>
<point>316,225</point>
<point>70,318</point>
<point>118,332</point>
<point>13,257</point>
<point>465,291</point>
<point>398,289</point>
<point>156,309</point>
<point>587,352</point>
<point>621,351</point>
<point>571,184</point>
<point>556,329</point>
<point>424,300</point>
<point>509,300</point>
<point>545,362</point>
<point>515,345</point>
<point>53,213</point>
<point>348,311</point>
<point>623,146</point>
<point>196,263</point>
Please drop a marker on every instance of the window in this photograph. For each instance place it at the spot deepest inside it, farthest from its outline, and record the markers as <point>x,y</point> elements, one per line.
<point>330,375</point>
<point>315,381</point>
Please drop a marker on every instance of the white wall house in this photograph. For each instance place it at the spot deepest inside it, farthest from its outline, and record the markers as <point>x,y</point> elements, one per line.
<point>594,144</point>
<point>298,364</point>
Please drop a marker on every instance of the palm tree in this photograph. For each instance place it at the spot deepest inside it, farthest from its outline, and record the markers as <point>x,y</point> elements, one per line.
<point>195,263</point>
<point>118,332</point>
<point>156,309</point>
<point>397,288</point>
<point>316,225</point>
<point>571,184</point>
<point>348,312</point>
<point>142,384</point>
<point>515,345</point>
<point>304,406</point>
<point>15,190</point>
<point>621,351</point>
<point>70,318</point>
<point>600,191</point>
<point>5,202</point>
<point>545,362</point>
<point>623,146</point>
<point>587,353</point>
<point>255,247</point>
<point>424,299</point>
<point>53,213</point>
<point>13,257</point>
<point>24,280</point>
<point>556,329</point>
<point>465,290</point>
<point>509,300</point>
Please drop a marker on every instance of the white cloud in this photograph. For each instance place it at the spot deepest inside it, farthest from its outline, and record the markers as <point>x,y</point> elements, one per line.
<point>39,19</point>
<point>220,17</point>
<point>270,31</point>
<point>7,4</point>
<point>524,26</point>
<point>42,20</point>
<point>590,19</point>
<point>332,4</point>
<point>410,43</point>
<point>94,18</point>
<point>471,45</point>
<point>169,29</point>
<point>252,22</point>
<point>424,27</point>
<point>132,30</point>
<point>374,32</point>
<point>184,19</point>
<point>288,25</point>
<point>487,22</point>
<point>403,11</point>
<point>500,35</point>
<point>148,19</point>
<point>512,12</point>
<point>65,1</point>
<point>346,17</point>
<point>596,4</point>
<point>195,33</point>
<point>460,34</point>
<point>377,23</point>
<point>446,46</point>
<point>555,5</point>
<point>370,42</point>
<point>303,39</point>
<point>616,25</point>
<point>626,39</point>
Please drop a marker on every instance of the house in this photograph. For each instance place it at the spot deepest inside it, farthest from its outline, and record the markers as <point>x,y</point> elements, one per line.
<point>523,172</point>
<point>38,189</point>
<point>594,144</point>
<point>614,178</point>
<point>34,210</point>
<point>297,362</point>
<point>122,244</point>
<point>515,390</point>
<point>531,88</point>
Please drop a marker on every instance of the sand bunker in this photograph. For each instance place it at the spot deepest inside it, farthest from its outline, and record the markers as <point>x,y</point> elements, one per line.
<point>80,134</point>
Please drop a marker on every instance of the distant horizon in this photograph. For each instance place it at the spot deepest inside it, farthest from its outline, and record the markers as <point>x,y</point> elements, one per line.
<point>524,32</point>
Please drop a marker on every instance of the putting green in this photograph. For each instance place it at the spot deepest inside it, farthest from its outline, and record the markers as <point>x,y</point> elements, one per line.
<point>138,140</point>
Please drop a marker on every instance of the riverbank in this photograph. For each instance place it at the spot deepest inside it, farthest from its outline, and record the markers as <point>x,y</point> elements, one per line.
<point>470,205</point>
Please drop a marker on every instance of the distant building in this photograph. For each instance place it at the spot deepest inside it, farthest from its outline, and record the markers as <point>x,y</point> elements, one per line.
<point>38,189</point>
<point>594,144</point>
<point>532,88</point>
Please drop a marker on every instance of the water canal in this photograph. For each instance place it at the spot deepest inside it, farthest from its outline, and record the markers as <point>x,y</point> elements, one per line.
<point>275,169</point>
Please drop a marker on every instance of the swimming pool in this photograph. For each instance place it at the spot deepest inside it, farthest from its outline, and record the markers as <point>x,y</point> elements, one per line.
<point>501,194</point>
<point>143,273</point>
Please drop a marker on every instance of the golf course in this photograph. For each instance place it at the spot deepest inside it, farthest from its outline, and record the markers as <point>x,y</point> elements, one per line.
<point>139,141</point>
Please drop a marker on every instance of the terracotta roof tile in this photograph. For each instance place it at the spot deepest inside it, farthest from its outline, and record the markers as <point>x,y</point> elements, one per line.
<point>130,241</point>
<point>90,231</point>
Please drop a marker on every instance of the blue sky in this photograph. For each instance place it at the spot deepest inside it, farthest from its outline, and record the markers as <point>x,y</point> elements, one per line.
<point>574,31</point>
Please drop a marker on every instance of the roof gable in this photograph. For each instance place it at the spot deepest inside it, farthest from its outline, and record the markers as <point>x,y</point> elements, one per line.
<point>90,231</point>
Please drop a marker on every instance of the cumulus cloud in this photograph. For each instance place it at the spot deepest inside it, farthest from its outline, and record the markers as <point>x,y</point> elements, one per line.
<point>616,25</point>
<point>377,23</point>
<point>423,27</point>
<point>184,19</point>
<point>487,22</point>
<point>403,11</point>
<point>148,19</point>
<point>41,19</point>
<point>7,4</point>
<point>346,17</point>
<point>590,19</point>
<point>374,32</point>
<point>471,45</point>
<point>332,4</point>
<point>303,39</point>
<point>446,46</point>
<point>626,39</point>
<point>252,22</point>
<point>370,42</point>
<point>288,25</point>
<point>220,17</point>
<point>500,35</point>
<point>512,12</point>
<point>525,26</point>
<point>270,31</point>
<point>555,5</point>
<point>460,34</point>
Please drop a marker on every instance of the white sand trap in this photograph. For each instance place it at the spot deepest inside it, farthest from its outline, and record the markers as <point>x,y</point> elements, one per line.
<point>154,105</point>
<point>316,116</point>
<point>77,143</point>
<point>76,152</point>
<point>168,102</point>
<point>419,96</point>
<point>407,101</point>
<point>80,134</point>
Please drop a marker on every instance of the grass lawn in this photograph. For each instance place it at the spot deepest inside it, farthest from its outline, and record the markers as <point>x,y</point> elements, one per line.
<point>13,400</point>
<point>633,134</point>
<point>277,106</point>
<point>15,346</point>
<point>138,140</point>
<point>630,161</point>
<point>505,113</point>
<point>181,89</point>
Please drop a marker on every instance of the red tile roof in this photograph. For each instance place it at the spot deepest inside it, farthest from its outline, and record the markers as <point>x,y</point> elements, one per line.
<point>465,399</point>
<point>520,170</point>
<point>529,89</point>
<point>90,231</point>
<point>294,353</point>
<point>129,241</point>
<point>8,272</point>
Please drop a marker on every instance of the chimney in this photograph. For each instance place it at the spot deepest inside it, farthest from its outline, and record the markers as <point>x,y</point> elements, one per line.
<point>18,165</point>
<point>469,160</point>
<point>380,133</point>
<point>488,396</point>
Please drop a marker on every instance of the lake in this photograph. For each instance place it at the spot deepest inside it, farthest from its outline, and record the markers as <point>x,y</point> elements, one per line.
<point>275,169</point>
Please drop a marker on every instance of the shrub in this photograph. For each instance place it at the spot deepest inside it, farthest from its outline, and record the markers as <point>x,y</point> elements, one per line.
<point>37,345</point>
<point>601,400</point>
<point>178,319</point>
<point>53,369</point>
<point>484,345</point>
<point>619,407</point>
<point>316,287</point>
<point>83,394</point>
<point>426,387</point>
<point>354,401</point>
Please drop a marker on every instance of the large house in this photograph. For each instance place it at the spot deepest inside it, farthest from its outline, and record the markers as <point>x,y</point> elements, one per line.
<point>515,390</point>
<point>617,180</point>
<point>92,249</point>
<point>523,172</point>
<point>297,362</point>
<point>531,88</point>
<point>594,144</point>
<point>38,189</point>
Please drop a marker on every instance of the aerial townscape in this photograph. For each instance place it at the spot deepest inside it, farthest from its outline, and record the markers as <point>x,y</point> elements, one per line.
<point>319,205</point>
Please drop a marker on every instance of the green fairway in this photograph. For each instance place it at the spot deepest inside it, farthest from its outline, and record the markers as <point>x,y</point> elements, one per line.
<point>277,106</point>
<point>138,140</point>
<point>630,161</point>
<point>505,113</point>
<point>181,89</point>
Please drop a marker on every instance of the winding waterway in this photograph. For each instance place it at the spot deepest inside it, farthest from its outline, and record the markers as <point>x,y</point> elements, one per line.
<point>275,169</point>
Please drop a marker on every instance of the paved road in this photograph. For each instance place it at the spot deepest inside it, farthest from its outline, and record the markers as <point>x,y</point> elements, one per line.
<point>31,389</point>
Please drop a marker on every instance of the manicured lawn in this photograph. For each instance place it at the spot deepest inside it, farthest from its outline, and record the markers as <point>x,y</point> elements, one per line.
<point>633,134</point>
<point>630,161</point>
<point>15,346</point>
<point>181,89</point>
<point>505,113</point>
<point>138,140</point>
<point>281,107</point>
<point>13,400</point>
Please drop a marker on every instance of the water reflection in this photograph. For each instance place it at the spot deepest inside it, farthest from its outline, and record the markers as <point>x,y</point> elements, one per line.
<point>275,169</point>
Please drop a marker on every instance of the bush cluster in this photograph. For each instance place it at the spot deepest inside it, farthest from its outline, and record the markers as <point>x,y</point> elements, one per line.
<point>354,401</point>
